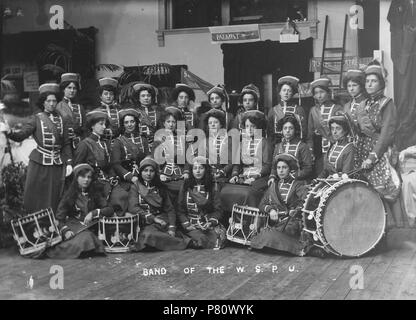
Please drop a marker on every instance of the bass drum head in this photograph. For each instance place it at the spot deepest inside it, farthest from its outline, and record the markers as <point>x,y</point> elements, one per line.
<point>354,219</point>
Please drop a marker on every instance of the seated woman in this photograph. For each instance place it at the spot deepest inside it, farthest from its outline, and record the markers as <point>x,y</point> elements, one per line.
<point>341,155</point>
<point>150,200</point>
<point>95,151</point>
<point>129,148</point>
<point>291,144</point>
<point>254,167</point>
<point>199,209</point>
<point>169,150</point>
<point>80,206</point>
<point>283,203</point>
<point>218,146</point>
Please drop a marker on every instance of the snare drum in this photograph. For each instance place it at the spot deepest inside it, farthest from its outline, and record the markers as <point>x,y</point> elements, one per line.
<point>35,232</point>
<point>345,217</point>
<point>118,233</point>
<point>245,223</point>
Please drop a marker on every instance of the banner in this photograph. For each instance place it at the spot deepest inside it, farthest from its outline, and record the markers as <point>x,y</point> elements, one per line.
<point>235,34</point>
<point>195,82</point>
<point>330,66</point>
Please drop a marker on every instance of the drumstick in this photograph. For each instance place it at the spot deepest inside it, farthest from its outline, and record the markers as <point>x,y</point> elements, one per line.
<point>82,229</point>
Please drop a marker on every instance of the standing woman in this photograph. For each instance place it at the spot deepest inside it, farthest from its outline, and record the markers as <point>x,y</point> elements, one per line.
<point>51,161</point>
<point>183,98</point>
<point>150,200</point>
<point>287,87</point>
<point>81,204</point>
<point>319,135</point>
<point>292,144</point>
<point>354,82</point>
<point>72,112</point>
<point>199,207</point>
<point>108,104</point>
<point>145,96</point>
<point>129,148</point>
<point>169,150</point>
<point>249,100</point>
<point>218,99</point>
<point>378,121</point>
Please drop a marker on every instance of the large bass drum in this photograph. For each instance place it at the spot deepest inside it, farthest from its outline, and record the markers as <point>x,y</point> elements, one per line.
<point>345,217</point>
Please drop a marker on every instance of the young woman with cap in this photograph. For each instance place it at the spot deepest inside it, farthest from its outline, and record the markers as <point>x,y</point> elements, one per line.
<point>183,98</point>
<point>292,144</point>
<point>287,87</point>
<point>319,135</point>
<point>149,198</point>
<point>354,82</point>
<point>218,99</point>
<point>72,112</point>
<point>129,148</point>
<point>340,159</point>
<point>108,104</point>
<point>249,100</point>
<point>51,161</point>
<point>145,96</point>
<point>81,205</point>
<point>283,203</point>
<point>378,120</point>
<point>199,207</point>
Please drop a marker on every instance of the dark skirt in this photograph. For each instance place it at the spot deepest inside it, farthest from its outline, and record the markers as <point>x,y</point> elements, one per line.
<point>209,239</point>
<point>85,242</point>
<point>43,187</point>
<point>118,197</point>
<point>249,195</point>
<point>173,188</point>
<point>154,237</point>
<point>287,239</point>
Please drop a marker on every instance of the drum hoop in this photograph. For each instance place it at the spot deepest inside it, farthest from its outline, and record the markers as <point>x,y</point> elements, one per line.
<point>322,204</point>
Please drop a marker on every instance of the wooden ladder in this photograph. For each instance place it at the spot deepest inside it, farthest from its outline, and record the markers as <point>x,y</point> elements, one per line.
<point>334,59</point>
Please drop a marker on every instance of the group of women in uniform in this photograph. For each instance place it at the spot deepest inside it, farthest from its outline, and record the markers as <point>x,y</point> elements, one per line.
<point>133,159</point>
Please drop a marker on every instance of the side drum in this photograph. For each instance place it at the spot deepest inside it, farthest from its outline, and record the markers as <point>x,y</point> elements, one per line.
<point>345,217</point>
<point>118,233</point>
<point>36,231</point>
<point>245,223</point>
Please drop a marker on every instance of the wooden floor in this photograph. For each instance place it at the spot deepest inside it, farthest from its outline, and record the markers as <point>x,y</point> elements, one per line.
<point>389,274</point>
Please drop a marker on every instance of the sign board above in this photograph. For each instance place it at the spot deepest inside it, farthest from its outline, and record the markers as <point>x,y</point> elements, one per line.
<point>235,34</point>
<point>289,38</point>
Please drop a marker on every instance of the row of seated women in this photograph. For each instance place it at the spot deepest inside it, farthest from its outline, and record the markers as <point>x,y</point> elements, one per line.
<point>196,223</point>
<point>119,139</point>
